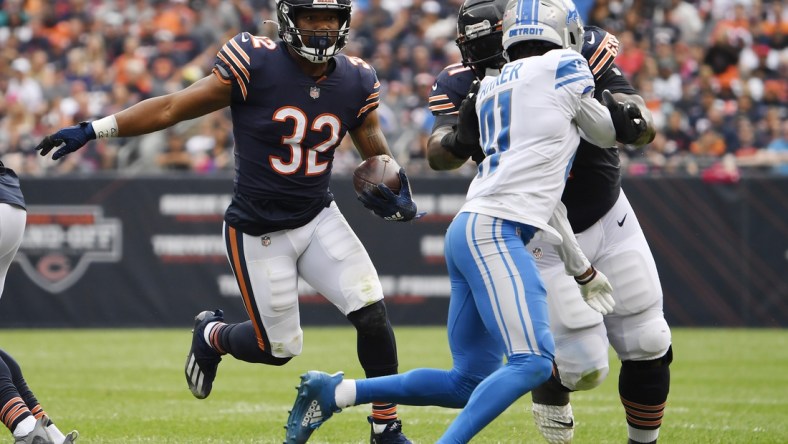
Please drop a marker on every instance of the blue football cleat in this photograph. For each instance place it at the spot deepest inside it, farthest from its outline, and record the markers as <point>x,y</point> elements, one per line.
<point>313,406</point>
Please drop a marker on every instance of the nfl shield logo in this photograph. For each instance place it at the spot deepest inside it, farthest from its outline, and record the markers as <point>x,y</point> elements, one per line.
<point>314,92</point>
<point>537,253</point>
<point>266,241</point>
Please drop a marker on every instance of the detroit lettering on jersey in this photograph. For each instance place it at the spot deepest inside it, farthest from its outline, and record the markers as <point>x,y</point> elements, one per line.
<point>287,124</point>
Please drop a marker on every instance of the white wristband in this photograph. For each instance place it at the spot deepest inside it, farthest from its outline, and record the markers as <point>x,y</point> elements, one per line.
<point>106,127</point>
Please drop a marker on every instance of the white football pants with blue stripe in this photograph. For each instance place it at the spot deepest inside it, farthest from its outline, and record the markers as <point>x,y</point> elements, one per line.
<point>498,307</point>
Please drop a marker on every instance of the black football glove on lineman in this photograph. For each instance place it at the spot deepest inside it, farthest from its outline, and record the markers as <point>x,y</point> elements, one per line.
<point>627,118</point>
<point>390,206</point>
<point>463,141</point>
<point>74,138</point>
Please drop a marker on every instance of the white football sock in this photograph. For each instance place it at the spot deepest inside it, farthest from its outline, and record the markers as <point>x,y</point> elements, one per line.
<point>206,334</point>
<point>25,427</point>
<point>640,435</point>
<point>345,393</point>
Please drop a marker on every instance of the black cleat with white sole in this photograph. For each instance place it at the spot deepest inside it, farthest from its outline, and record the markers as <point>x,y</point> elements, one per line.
<point>202,361</point>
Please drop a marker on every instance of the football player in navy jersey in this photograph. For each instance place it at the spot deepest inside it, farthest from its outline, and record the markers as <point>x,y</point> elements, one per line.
<point>20,411</point>
<point>292,102</point>
<point>607,230</point>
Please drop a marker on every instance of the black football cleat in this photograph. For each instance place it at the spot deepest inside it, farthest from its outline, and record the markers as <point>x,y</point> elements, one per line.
<point>392,434</point>
<point>202,361</point>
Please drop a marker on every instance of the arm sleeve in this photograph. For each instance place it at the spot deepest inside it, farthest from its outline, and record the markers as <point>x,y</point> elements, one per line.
<point>575,262</point>
<point>595,123</point>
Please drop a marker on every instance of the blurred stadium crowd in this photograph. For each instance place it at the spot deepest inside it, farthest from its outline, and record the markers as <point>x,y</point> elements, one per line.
<point>713,72</point>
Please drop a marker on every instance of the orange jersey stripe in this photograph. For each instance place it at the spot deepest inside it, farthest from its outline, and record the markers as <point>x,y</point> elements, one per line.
<point>238,64</point>
<point>368,107</point>
<point>235,73</point>
<point>599,50</point>
<point>239,275</point>
<point>241,52</point>
<point>442,107</point>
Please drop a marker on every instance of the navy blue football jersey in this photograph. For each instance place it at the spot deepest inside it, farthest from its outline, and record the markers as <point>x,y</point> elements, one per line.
<point>451,86</point>
<point>10,192</point>
<point>595,178</point>
<point>594,181</point>
<point>286,126</point>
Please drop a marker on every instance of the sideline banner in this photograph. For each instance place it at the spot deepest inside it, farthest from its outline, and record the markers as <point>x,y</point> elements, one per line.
<point>148,252</point>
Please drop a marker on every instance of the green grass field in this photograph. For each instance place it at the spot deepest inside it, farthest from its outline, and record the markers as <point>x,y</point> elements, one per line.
<point>127,386</point>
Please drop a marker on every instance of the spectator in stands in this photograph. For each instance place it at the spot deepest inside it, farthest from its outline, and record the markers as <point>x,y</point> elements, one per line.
<point>727,48</point>
<point>175,157</point>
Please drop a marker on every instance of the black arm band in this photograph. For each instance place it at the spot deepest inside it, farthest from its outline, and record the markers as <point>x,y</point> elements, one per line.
<point>460,150</point>
<point>587,279</point>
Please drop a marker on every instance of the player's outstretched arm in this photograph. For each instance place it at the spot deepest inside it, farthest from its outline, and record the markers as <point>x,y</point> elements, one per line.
<point>202,97</point>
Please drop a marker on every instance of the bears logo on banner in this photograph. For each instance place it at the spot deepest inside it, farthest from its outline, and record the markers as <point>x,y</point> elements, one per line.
<point>61,241</point>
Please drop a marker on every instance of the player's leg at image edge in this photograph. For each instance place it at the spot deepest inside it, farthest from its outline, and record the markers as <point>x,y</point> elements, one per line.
<point>21,412</point>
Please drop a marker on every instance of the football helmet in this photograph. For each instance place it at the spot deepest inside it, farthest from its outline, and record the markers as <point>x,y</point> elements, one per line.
<point>315,46</point>
<point>554,21</point>
<point>479,30</point>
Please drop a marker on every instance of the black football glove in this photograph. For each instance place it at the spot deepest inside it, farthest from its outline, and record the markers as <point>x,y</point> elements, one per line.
<point>627,118</point>
<point>73,138</point>
<point>463,141</point>
<point>391,206</point>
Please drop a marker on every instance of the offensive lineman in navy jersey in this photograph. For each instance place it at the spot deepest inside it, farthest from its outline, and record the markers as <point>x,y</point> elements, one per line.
<point>20,411</point>
<point>606,228</point>
<point>292,102</point>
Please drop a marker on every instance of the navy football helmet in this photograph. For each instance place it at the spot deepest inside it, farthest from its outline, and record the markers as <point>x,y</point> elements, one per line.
<point>317,47</point>
<point>479,26</point>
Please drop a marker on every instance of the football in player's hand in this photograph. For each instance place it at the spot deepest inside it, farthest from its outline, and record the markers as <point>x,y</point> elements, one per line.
<point>376,170</point>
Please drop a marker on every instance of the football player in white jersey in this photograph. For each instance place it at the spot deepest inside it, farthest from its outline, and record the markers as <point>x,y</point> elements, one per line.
<point>608,232</point>
<point>531,118</point>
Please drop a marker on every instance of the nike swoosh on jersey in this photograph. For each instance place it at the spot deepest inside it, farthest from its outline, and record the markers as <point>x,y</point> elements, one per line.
<point>592,39</point>
<point>621,222</point>
<point>434,86</point>
<point>244,37</point>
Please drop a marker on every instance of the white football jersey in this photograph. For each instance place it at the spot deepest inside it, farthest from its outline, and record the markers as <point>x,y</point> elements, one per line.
<point>530,119</point>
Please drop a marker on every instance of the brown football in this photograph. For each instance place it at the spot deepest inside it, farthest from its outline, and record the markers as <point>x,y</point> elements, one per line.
<point>376,170</point>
